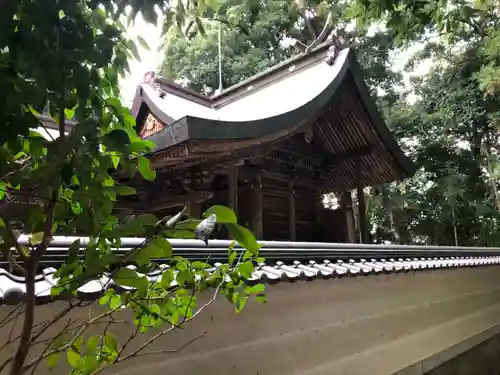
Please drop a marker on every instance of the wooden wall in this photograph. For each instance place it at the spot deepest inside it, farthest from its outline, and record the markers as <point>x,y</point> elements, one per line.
<point>333,226</point>
<point>283,203</point>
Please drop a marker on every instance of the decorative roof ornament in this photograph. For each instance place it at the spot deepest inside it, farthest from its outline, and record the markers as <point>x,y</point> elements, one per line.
<point>331,55</point>
<point>150,79</point>
<point>338,44</point>
<point>151,125</point>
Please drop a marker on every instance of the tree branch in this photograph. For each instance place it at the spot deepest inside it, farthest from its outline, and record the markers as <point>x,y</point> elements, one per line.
<point>29,317</point>
<point>186,344</point>
<point>61,332</point>
<point>52,322</point>
<point>69,344</point>
<point>138,351</point>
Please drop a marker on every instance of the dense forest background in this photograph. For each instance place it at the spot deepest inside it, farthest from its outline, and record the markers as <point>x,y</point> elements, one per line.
<point>449,127</point>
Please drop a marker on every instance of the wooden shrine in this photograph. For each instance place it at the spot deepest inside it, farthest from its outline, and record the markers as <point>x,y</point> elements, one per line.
<point>270,147</point>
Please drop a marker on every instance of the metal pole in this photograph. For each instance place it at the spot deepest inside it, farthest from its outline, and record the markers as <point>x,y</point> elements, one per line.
<point>220,59</point>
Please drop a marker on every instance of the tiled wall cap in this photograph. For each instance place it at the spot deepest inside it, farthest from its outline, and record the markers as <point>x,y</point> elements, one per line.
<point>12,287</point>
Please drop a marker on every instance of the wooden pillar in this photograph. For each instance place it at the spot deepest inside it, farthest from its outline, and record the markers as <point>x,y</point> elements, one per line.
<point>256,210</point>
<point>363,225</point>
<point>346,206</point>
<point>232,180</point>
<point>193,209</point>
<point>292,229</point>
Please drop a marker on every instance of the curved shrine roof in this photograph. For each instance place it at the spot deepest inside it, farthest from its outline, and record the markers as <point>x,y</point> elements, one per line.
<point>321,94</point>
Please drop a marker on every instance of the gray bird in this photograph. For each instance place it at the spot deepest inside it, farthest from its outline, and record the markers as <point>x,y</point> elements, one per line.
<point>205,228</point>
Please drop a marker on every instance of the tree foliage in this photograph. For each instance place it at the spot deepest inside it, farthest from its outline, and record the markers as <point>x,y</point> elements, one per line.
<point>263,40</point>
<point>63,59</point>
<point>193,58</point>
<point>450,131</point>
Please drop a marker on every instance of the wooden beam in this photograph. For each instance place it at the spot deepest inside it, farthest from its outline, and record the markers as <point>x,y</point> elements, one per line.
<point>166,202</point>
<point>232,181</point>
<point>346,206</point>
<point>292,229</point>
<point>363,225</point>
<point>335,159</point>
<point>281,177</point>
<point>257,224</point>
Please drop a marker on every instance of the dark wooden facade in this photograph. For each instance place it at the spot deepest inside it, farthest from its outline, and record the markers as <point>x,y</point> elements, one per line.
<point>272,171</point>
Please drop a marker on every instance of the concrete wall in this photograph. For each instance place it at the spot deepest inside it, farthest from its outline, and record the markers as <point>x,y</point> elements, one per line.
<point>406,323</point>
<point>483,359</point>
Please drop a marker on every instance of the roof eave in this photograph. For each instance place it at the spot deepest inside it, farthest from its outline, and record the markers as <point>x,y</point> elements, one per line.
<point>406,165</point>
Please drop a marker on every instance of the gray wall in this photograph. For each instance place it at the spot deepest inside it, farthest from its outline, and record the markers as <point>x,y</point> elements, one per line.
<point>406,323</point>
<point>483,359</point>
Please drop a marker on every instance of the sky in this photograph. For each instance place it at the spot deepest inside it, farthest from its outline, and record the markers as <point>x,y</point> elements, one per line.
<point>152,58</point>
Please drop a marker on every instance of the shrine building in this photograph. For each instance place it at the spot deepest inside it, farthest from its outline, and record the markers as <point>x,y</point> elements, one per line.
<point>270,147</point>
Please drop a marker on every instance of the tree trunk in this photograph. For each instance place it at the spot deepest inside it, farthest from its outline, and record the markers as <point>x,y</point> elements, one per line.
<point>386,203</point>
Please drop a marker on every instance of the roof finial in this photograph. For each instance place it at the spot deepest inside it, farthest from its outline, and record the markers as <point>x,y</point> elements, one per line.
<point>149,77</point>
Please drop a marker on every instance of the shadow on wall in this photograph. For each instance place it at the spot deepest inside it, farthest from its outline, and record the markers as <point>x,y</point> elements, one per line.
<point>483,359</point>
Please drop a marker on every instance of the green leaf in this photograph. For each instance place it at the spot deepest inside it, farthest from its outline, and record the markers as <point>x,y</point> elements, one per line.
<point>114,102</point>
<point>261,298</point>
<point>244,237</point>
<point>144,323</point>
<point>213,5</point>
<point>93,344</point>
<point>128,277</point>
<point>143,43</point>
<point>117,140</point>
<point>115,302</point>
<point>158,248</point>
<point>255,289</point>
<point>104,300</point>
<point>73,251</point>
<point>36,238</point>
<point>142,145</point>
<point>155,309</point>
<point>3,190</point>
<point>145,170</point>
<point>189,224</point>
<point>53,359</point>
<point>115,160</point>
<point>246,269</point>
<point>232,256</point>
<point>90,364</point>
<point>141,258</point>
<point>197,265</point>
<point>125,190</point>
<point>134,226</point>
<point>224,214</point>
<point>73,358</point>
<point>166,278</point>
<point>69,113</point>
<point>111,342</point>
<point>239,301</point>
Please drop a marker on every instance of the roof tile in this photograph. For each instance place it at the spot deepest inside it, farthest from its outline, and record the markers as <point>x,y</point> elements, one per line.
<point>12,287</point>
